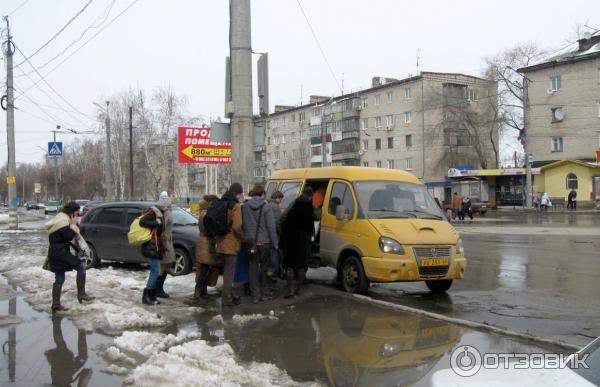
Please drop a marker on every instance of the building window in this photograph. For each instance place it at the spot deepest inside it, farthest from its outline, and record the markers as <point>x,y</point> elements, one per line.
<point>365,163</point>
<point>473,95</point>
<point>390,142</point>
<point>377,100</point>
<point>408,140</point>
<point>378,122</point>
<point>285,155</point>
<point>268,140</point>
<point>315,151</point>
<point>364,124</point>
<point>407,93</point>
<point>378,163</point>
<point>295,136</point>
<point>571,181</point>
<point>283,138</point>
<point>378,143</point>
<point>389,120</point>
<point>316,112</point>
<point>391,164</point>
<point>408,164</point>
<point>293,118</point>
<point>557,114</point>
<point>557,144</point>
<point>283,120</point>
<point>390,97</point>
<point>365,103</point>
<point>268,157</point>
<point>277,155</point>
<point>365,144</point>
<point>556,83</point>
<point>301,116</point>
<point>407,117</point>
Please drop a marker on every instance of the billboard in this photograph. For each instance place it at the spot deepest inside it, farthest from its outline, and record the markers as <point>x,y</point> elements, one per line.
<point>196,146</point>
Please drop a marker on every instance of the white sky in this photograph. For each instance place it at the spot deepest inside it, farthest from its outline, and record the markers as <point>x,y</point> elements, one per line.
<point>184,43</point>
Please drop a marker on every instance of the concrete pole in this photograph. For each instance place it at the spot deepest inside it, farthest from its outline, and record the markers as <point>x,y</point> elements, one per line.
<point>528,182</point>
<point>242,139</point>
<point>108,179</point>
<point>10,129</point>
<point>131,153</point>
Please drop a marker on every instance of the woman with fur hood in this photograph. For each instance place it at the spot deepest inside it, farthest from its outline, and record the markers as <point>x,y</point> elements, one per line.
<point>65,244</point>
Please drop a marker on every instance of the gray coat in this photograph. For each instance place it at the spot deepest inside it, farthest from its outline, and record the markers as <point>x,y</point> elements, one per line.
<point>267,232</point>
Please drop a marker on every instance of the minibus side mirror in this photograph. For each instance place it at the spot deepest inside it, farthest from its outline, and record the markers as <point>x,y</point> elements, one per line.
<point>341,213</point>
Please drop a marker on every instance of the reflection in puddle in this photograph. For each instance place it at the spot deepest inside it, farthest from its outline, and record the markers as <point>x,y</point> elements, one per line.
<point>65,367</point>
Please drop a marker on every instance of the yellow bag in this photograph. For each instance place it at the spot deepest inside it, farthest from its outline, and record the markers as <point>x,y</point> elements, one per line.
<point>137,234</point>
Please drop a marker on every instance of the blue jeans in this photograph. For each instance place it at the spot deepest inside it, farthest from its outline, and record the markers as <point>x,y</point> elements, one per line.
<point>154,270</point>
<point>59,276</point>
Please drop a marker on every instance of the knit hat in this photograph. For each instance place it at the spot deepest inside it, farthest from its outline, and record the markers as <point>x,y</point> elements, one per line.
<point>163,200</point>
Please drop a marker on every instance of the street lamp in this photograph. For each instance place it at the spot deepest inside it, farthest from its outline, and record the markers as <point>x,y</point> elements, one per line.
<point>107,154</point>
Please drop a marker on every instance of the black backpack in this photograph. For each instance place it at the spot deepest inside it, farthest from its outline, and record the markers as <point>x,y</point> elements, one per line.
<point>215,220</point>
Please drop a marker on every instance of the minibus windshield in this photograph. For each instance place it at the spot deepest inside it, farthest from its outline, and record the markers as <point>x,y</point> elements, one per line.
<point>394,199</point>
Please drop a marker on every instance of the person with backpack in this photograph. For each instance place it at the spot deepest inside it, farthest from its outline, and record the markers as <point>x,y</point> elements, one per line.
<point>223,221</point>
<point>296,239</point>
<point>65,244</point>
<point>260,236</point>
<point>152,220</point>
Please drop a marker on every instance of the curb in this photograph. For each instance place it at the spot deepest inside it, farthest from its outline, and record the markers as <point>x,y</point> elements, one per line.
<point>471,324</point>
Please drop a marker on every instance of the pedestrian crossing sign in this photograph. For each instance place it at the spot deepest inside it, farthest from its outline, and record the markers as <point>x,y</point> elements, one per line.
<point>55,149</point>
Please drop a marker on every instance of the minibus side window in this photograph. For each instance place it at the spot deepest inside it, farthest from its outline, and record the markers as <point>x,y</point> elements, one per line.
<point>290,192</point>
<point>341,194</point>
<point>271,187</point>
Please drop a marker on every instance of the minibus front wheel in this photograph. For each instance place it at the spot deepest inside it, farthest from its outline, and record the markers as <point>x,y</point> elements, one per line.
<point>354,279</point>
<point>439,286</point>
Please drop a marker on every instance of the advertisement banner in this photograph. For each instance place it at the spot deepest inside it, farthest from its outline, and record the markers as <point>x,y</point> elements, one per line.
<point>195,146</point>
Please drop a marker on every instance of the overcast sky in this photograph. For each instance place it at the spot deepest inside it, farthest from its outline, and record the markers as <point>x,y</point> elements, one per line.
<point>183,43</point>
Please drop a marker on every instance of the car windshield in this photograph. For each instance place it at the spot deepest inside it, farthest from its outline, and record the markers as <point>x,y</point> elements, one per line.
<point>394,199</point>
<point>180,217</point>
<point>52,203</point>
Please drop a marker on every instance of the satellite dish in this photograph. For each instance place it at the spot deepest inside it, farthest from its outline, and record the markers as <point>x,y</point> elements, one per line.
<point>559,114</point>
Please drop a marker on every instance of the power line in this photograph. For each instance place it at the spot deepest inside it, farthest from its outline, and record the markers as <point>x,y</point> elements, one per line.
<point>58,33</point>
<point>83,45</point>
<point>318,44</point>
<point>18,8</point>
<point>106,14</point>
<point>50,86</point>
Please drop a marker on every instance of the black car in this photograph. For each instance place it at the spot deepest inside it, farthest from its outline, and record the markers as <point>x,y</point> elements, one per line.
<point>105,229</point>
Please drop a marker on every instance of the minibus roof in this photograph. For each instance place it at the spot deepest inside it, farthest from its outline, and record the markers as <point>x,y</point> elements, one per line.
<point>345,173</point>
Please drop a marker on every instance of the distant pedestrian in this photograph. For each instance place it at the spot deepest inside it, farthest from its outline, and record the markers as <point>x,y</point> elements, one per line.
<point>536,200</point>
<point>260,237</point>
<point>456,206</point>
<point>153,220</point>
<point>545,202</point>
<point>466,208</point>
<point>572,200</point>
<point>66,243</point>
<point>295,242</point>
<point>225,220</point>
<point>167,250</point>
<point>188,201</point>
<point>205,252</point>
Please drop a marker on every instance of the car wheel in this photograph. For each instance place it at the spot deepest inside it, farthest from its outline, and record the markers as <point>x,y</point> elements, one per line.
<point>354,279</point>
<point>439,286</point>
<point>92,260</point>
<point>182,264</point>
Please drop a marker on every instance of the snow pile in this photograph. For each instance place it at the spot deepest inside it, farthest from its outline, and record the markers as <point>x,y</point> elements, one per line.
<point>21,231</point>
<point>196,363</point>
<point>147,343</point>
<point>240,319</point>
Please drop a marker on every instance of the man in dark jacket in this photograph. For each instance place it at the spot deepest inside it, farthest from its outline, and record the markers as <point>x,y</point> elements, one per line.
<point>295,241</point>
<point>63,237</point>
<point>151,250</point>
<point>260,233</point>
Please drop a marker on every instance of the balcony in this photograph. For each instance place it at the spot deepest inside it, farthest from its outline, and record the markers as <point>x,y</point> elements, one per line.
<point>349,156</point>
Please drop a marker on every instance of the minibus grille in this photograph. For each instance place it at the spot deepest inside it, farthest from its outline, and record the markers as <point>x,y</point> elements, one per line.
<point>433,271</point>
<point>422,253</point>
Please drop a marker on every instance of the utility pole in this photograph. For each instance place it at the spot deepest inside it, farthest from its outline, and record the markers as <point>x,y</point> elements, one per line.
<point>242,139</point>
<point>108,180</point>
<point>528,182</point>
<point>10,129</point>
<point>130,153</point>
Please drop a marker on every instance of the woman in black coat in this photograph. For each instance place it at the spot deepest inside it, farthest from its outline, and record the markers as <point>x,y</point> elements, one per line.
<point>295,241</point>
<point>63,237</point>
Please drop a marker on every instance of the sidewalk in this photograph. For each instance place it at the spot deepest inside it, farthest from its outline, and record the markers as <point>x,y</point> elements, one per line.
<point>554,210</point>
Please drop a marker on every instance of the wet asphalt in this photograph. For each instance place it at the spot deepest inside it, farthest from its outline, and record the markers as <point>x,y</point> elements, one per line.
<point>541,285</point>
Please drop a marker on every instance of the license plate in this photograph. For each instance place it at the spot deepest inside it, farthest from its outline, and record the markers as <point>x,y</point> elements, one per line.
<point>427,332</point>
<point>435,262</point>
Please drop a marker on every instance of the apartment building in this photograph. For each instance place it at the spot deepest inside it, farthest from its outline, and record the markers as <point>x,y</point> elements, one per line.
<point>425,124</point>
<point>563,105</point>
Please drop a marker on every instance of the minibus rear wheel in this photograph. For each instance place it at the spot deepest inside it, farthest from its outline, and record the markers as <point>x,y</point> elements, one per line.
<point>354,279</point>
<point>439,286</point>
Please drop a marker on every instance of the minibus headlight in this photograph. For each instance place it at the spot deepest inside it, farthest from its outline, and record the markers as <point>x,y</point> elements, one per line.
<point>390,349</point>
<point>459,247</point>
<point>390,246</point>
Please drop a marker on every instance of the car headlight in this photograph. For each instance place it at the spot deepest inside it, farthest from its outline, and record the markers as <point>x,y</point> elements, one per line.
<point>390,246</point>
<point>390,349</point>
<point>459,247</point>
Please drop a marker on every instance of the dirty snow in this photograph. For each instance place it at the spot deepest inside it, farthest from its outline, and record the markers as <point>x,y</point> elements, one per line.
<point>240,319</point>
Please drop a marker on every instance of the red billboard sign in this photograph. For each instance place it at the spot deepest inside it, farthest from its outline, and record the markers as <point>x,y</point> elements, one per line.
<point>195,146</point>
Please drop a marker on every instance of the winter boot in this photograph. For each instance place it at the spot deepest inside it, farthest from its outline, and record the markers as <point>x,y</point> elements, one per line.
<point>291,289</point>
<point>160,281</point>
<point>56,291</point>
<point>200,295</point>
<point>152,294</point>
<point>81,295</point>
<point>146,300</point>
<point>301,279</point>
